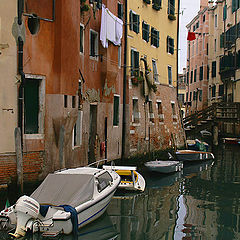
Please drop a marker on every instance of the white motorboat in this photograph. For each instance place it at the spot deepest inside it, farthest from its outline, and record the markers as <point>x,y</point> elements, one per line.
<point>164,166</point>
<point>130,178</point>
<point>64,202</point>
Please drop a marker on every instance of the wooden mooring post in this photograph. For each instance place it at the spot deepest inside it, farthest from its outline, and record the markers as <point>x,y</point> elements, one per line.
<point>19,157</point>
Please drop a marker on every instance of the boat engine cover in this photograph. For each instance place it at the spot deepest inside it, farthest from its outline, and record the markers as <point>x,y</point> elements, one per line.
<point>28,206</point>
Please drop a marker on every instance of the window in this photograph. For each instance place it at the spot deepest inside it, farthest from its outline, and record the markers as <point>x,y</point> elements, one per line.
<point>191,80</point>
<point>151,114</point>
<point>155,72</point>
<point>145,31</point>
<point>134,63</point>
<point>181,97</point>
<point>201,73</point>
<point>221,90</point>
<point>207,49</point>
<point>116,110</point>
<point>187,97</point>
<point>215,45</point>
<point>203,41</point>
<point>204,18</point>
<point>156,4</point>
<point>170,45</point>
<point>214,69</point>
<point>187,77</point>
<point>197,25</point>
<point>194,95</point>
<point>215,20</point>
<point>93,44</point>
<point>160,111</point>
<point>134,21</point>
<point>81,38</point>
<point>77,130</point>
<point>170,75</point>
<point>214,91</point>
<point>154,37</point>
<point>200,95</point>
<point>208,70</point>
<point>65,101</point>
<point>136,113</point>
<point>33,106</point>
<point>173,109</point>
<point>195,74</point>
<point>119,56</point>
<point>73,101</point>
<point>98,3</point>
<point>120,10</point>
<point>104,180</point>
<point>171,7</point>
<point>190,97</point>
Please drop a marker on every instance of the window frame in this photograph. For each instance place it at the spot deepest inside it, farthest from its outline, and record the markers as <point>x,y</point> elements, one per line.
<point>96,45</point>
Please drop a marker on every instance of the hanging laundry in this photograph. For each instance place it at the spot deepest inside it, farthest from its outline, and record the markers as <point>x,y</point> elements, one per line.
<point>191,36</point>
<point>103,30</point>
<point>111,28</point>
<point>119,31</point>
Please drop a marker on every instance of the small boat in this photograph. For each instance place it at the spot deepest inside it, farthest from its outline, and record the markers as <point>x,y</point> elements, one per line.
<point>130,178</point>
<point>231,141</point>
<point>164,166</point>
<point>191,155</point>
<point>64,201</point>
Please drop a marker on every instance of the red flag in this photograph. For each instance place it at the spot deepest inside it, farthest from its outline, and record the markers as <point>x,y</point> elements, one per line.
<point>191,36</point>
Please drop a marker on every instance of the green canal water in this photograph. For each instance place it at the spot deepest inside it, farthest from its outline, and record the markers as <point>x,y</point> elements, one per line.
<point>201,202</point>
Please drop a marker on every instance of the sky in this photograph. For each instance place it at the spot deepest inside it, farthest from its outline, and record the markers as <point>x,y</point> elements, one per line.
<point>188,10</point>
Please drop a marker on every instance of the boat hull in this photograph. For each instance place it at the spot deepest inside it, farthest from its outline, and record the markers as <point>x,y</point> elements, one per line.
<point>164,166</point>
<point>188,155</point>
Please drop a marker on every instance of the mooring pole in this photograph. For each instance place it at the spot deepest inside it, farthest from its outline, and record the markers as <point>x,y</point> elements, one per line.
<point>19,157</point>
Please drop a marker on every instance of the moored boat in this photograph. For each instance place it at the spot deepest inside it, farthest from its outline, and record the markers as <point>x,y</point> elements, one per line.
<point>130,178</point>
<point>164,166</point>
<point>65,201</point>
<point>191,155</point>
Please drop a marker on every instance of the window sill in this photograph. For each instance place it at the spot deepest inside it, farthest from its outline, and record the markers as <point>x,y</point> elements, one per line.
<point>34,136</point>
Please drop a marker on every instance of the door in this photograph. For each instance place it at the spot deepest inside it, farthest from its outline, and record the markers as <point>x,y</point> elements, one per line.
<point>92,133</point>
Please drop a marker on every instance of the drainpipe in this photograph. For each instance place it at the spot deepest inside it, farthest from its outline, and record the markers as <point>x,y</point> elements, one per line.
<point>20,68</point>
<point>177,42</point>
<point>124,124</point>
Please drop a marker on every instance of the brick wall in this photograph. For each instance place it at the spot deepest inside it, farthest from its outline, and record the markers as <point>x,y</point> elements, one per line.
<point>32,167</point>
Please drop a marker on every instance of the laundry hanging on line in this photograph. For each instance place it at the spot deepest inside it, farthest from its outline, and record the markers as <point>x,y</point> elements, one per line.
<point>111,28</point>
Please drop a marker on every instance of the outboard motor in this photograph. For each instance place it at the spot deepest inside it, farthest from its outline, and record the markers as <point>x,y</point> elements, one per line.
<point>26,208</point>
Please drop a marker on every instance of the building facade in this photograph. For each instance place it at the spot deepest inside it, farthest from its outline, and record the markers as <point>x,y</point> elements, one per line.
<point>152,76</point>
<point>197,61</point>
<point>182,79</point>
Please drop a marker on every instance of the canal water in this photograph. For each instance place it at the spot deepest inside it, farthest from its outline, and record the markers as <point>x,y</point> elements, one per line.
<point>201,202</point>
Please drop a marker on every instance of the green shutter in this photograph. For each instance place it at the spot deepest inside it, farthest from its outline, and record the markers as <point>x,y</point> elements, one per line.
<point>222,40</point>
<point>136,59</point>
<point>225,12</point>
<point>147,32</point>
<point>132,62</point>
<point>131,20</point>
<point>157,40</point>
<point>138,22</point>
<point>234,5</point>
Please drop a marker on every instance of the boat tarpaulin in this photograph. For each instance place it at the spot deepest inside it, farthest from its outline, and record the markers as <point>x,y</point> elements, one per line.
<point>65,189</point>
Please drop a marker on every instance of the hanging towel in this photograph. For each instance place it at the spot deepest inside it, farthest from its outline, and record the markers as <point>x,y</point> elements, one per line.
<point>119,31</point>
<point>103,30</point>
<point>111,26</point>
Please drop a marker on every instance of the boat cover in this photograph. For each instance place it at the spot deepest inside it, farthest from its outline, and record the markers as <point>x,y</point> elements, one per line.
<point>65,189</point>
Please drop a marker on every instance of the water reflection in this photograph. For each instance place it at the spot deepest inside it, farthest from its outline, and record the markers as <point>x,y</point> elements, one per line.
<point>201,202</point>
